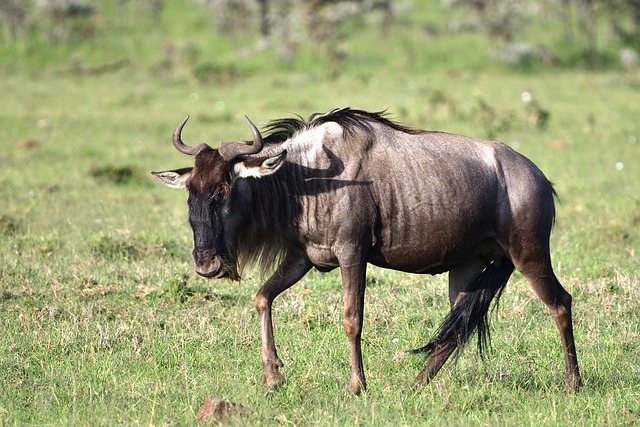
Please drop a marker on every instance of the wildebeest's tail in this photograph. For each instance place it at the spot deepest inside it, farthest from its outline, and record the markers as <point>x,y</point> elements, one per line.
<point>471,313</point>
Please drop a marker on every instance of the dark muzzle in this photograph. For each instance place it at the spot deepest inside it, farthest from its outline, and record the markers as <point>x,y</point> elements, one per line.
<point>209,264</point>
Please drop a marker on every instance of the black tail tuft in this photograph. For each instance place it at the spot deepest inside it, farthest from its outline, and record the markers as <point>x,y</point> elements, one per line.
<point>471,313</point>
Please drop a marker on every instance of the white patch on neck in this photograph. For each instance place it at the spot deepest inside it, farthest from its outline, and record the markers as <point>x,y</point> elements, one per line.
<point>309,143</point>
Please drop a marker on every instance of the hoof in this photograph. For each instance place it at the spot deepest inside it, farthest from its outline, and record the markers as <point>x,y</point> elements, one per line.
<point>272,376</point>
<point>573,386</point>
<point>357,387</point>
<point>273,384</point>
<point>423,378</point>
<point>273,380</point>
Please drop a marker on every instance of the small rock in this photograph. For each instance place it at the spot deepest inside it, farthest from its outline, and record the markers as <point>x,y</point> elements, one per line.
<point>629,59</point>
<point>51,188</point>
<point>28,144</point>
<point>218,408</point>
<point>630,413</point>
<point>521,53</point>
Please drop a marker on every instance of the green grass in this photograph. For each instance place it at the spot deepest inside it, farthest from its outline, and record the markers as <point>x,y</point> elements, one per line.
<point>104,322</point>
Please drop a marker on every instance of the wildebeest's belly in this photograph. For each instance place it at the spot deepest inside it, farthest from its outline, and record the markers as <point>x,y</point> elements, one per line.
<point>434,236</point>
<point>432,258</point>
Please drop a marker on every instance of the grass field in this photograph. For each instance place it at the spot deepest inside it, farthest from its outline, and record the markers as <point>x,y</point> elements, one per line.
<point>104,322</point>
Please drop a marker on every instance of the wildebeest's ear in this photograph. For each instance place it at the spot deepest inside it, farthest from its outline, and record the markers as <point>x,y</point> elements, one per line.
<point>257,168</point>
<point>174,179</point>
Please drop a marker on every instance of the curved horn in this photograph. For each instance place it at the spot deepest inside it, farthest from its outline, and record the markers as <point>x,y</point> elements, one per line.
<point>181,146</point>
<point>231,150</point>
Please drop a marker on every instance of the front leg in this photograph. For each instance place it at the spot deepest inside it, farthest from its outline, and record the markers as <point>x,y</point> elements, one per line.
<point>292,269</point>
<point>353,280</point>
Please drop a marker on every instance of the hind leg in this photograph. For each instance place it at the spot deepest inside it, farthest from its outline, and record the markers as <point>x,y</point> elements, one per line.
<point>539,273</point>
<point>464,277</point>
<point>461,279</point>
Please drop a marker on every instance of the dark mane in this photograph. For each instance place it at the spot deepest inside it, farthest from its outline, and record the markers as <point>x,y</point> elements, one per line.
<point>349,119</point>
<point>270,233</point>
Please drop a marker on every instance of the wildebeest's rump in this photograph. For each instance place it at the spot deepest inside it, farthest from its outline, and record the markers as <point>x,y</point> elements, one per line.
<point>348,188</point>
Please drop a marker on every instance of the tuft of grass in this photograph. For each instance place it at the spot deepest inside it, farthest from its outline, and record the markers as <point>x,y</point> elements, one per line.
<point>177,288</point>
<point>134,248</point>
<point>209,73</point>
<point>9,225</point>
<point>114,248</point>
<point>119,175</point>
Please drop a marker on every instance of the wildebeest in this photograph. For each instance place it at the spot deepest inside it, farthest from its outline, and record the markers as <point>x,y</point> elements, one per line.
<point>350,187</point>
